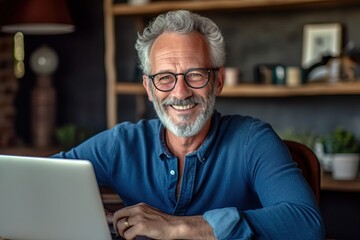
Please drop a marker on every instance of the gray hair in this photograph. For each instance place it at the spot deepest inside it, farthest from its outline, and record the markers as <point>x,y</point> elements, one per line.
<point>182,22</point>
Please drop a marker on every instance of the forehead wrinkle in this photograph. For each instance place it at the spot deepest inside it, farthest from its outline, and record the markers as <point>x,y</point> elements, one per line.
<point>174,54</point>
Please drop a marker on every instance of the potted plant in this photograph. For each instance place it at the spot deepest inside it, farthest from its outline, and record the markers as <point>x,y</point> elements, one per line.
<point>70,135</point>
<point>343,148</point>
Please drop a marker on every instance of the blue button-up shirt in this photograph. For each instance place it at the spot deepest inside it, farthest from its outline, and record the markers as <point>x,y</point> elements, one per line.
<point>241,179</point>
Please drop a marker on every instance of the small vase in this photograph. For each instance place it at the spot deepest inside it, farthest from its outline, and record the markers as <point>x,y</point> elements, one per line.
<point>345,166</point>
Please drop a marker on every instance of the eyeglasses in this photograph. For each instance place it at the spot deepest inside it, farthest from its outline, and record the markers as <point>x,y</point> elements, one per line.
<point>194,78</point>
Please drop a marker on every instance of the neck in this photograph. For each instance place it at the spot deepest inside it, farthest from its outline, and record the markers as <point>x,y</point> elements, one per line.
<point>180,146</point>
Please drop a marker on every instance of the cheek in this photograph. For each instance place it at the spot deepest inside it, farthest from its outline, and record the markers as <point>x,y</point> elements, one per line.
<point>209,91</point>
<point>158,97</point>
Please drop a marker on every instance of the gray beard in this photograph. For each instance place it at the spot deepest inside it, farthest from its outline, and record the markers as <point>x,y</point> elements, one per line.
<point>187,129</point>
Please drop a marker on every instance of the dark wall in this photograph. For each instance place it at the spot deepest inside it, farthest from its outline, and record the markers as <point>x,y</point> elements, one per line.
<point>80,78</point>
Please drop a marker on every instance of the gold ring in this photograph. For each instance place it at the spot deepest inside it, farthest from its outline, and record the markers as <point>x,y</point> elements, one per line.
<point>126,223</point>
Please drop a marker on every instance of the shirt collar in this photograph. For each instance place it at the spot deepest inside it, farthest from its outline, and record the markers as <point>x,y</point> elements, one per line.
<point>202,152</point>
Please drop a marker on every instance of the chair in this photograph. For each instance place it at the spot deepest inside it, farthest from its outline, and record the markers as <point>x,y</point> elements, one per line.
<point>308,163</point>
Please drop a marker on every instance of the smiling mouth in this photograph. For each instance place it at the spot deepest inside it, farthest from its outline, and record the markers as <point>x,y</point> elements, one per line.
<point>183,107</point>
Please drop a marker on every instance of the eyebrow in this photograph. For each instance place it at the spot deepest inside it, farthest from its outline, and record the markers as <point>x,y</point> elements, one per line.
<point>186,70</point>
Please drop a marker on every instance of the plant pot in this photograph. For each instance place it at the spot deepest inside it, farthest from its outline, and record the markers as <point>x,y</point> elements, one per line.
<point>345,166</point>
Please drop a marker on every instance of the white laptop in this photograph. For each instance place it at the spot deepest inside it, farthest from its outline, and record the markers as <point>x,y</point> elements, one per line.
<point>50,199</point>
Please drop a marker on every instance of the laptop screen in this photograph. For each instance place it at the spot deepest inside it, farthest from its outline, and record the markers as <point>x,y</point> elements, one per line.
<point>46,198</point>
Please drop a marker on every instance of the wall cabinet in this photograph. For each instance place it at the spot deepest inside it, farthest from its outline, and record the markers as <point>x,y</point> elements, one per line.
<point>117,87</point>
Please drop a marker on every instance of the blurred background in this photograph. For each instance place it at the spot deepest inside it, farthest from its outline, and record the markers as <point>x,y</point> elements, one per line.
<point>253,38</point>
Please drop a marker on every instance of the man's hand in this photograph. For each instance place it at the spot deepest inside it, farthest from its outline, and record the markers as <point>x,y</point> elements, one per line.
<point>143,220</point>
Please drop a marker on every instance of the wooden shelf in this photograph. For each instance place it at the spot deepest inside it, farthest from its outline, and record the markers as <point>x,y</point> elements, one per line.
<point>152,8</point>
<point>28,151</point>
<point>130,89</point>
<point>329,184</point>
<point>258,90</point>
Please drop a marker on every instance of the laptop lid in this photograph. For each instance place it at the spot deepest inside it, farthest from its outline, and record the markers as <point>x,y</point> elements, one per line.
<point>50,199</point>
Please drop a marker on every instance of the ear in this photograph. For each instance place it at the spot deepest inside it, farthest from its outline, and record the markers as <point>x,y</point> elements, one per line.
<point>147,87</point>
<point>220,80</point>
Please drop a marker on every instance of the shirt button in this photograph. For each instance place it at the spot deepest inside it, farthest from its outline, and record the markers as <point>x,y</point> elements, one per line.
<point>172,172</point>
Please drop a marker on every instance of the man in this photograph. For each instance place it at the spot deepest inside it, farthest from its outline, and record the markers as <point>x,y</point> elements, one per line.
<point>194,174</point>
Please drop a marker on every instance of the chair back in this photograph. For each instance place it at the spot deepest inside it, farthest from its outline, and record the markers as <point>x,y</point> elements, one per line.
<point>308,163</point>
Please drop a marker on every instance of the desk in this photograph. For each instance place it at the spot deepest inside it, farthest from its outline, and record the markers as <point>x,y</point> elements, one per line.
<point>329,184</point>
<point>28,151</point>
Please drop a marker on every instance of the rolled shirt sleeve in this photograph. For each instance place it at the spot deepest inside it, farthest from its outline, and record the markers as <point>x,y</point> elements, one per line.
<point>224,220</point>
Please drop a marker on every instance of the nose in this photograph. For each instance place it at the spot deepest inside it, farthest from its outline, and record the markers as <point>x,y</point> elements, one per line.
<point>181,89</point>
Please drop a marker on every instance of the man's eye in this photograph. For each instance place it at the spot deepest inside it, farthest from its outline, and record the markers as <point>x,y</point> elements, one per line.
<point>165,77</point>
<point>194,75</point>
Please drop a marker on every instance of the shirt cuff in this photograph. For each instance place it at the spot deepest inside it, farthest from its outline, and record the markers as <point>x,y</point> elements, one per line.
<point>222,221</point>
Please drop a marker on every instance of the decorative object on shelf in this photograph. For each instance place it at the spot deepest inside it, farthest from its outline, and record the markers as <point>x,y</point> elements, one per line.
<point>321,40</point>
<point>263,73</point>
<point>232,75</point>
<point>317,71</point>
<point>340,152</point>
<point>293,76</point>
<point>345,68</point>
<point>279,75</point>
<point>351,62</point>
<point>40,17</point>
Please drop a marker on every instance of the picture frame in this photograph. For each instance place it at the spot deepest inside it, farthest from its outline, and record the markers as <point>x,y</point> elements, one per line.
<point>320,40</point>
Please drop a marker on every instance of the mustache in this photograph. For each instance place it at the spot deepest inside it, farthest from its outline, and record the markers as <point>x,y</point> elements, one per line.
<point>183,102</point>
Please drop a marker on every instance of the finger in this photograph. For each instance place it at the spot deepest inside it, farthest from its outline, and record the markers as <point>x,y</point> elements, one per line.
<point>119,226</point>
<point>122,226</point>
<point>123,212</point>
<point>117,216</point>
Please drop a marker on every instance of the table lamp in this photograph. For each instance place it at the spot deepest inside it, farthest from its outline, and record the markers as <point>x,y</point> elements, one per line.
<point>42,17</point>
<point>44,62</point>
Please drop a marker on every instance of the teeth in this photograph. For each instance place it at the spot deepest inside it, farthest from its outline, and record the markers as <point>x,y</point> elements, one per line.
<point>182,107</point>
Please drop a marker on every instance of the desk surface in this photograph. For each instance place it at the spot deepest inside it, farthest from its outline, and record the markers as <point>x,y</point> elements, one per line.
<point>329,184</point>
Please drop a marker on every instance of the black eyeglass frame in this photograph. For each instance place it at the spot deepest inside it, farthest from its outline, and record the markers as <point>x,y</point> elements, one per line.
<point>209,70</point>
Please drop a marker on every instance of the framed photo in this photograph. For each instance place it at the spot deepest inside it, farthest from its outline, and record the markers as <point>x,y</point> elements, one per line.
<point>320,40</point>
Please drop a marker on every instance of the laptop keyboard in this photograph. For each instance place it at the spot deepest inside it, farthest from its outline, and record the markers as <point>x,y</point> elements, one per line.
<point>114,236</point>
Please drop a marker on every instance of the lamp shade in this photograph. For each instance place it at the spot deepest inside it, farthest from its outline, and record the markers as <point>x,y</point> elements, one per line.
<point>40,17</point>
